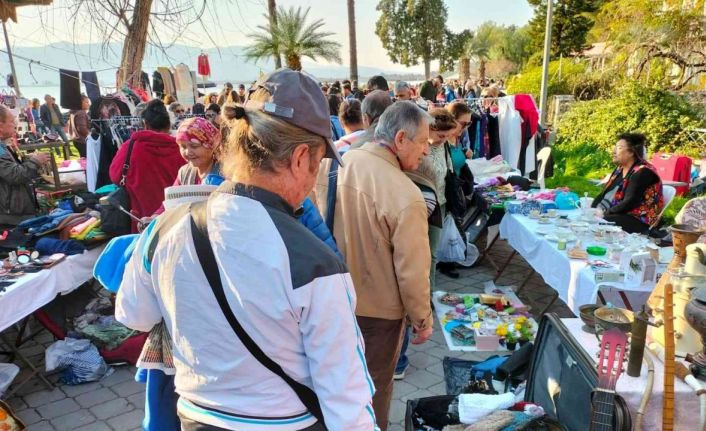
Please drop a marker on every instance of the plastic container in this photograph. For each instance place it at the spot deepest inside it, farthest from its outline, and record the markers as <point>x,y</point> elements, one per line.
<point>596,250</point>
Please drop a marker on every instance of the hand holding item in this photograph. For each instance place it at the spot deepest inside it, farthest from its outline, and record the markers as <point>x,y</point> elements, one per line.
<point>422,335</point>
<point>144,222</point>
<point>40,158</point>
<point>469,153</point>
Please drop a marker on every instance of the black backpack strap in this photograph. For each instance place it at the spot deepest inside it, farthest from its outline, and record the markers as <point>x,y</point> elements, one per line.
<point>126,165</point>
<point>331,194</point>
<point>202,244</point>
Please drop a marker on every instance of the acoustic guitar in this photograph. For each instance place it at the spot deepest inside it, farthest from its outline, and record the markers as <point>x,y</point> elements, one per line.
<point>610,366</point>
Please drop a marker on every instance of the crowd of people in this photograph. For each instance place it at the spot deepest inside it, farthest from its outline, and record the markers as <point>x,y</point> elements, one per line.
<point>319,244</point>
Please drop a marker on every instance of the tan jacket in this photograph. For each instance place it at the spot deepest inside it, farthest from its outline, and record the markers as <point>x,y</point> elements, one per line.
<point>380,226</point>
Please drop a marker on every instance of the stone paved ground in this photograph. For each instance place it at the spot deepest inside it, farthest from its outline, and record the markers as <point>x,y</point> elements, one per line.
<point>117,402</point>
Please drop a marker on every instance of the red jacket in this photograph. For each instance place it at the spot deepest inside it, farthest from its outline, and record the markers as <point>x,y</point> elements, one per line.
<point>154,164</point>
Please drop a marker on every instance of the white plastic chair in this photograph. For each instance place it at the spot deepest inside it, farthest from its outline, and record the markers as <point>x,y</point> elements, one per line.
<point>668,192</point>
<point>542,160</point>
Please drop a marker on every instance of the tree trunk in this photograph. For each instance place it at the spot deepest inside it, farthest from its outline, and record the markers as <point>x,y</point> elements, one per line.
<point>134,45</point>
<point>272,12</point>
<point>481,71</point>
<point>352,41</point>
<point>294,62</point>
<point>464,69</point>
<point>427,68</point>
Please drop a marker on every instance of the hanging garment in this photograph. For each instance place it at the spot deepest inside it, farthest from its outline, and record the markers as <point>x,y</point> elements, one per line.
<point>184,85</point>
<point>524,104</point>
<point>90,80</point>
<point>107,152</point>
<point>492,139</point>
<point>204,67</point>
<point>157,85</point>
<point>510,124</point>
<point>195,87</point>
<point>145,80</point>
<point>93,156</point>
<point>70,89</point>
<point>167,80</point>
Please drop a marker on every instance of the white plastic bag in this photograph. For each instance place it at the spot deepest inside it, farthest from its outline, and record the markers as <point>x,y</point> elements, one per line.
<point>472,255</point>
<point>451,247</point>
<point>79,360</point>
<point>7,375</point>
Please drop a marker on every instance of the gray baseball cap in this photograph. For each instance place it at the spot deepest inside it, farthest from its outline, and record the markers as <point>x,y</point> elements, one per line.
<point>296,98</point>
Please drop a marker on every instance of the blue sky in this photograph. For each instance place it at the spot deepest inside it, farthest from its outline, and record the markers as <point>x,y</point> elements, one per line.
<point>235,19</point>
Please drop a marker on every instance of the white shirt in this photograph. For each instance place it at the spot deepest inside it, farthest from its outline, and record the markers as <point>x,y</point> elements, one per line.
<point>289,292</point>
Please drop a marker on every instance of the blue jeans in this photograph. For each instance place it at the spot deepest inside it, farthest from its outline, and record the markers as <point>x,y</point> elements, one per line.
<point>60,130</point>
<point>403,362</point>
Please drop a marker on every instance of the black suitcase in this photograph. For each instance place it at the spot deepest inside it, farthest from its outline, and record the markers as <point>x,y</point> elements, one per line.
<point>562,377</point>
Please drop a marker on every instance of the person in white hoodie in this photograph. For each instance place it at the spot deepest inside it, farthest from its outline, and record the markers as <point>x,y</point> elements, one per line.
<point>260,312</point>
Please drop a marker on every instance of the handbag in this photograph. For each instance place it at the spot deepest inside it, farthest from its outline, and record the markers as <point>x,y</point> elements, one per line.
<point>202,244</point>
<point>114,220</point>
<point>455,198</point>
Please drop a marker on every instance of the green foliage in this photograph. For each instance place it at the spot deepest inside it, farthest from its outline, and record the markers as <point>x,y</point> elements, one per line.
<point>561,80</point>
<point>293,38</point>
<point>661,115</point>
<point>572,20</point>
<point>453,48</point>
<point>514,45</point>
<point>412,30</point>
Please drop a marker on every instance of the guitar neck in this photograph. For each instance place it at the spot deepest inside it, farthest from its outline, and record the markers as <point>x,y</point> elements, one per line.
<point>602,415</point>
<point>669,360</point>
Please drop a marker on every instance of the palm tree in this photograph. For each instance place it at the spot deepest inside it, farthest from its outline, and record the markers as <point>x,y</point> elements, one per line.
<point>352,41</point>
<point>480,47</point>
<point>292,37</point>
<point>272,13</point>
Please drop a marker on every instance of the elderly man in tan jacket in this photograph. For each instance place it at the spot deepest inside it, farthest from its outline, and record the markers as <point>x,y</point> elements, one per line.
<point>380,225</point>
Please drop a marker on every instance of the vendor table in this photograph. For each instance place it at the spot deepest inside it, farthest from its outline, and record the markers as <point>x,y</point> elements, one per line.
<point>33,291</point>
<point>632,388</point>
<point>572,279</point>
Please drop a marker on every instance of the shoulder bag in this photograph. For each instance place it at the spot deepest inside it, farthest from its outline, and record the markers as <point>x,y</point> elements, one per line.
<point>204,251</point>
<point>114,219</point>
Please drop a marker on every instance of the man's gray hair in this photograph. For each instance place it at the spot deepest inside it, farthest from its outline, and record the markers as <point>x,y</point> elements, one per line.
<point>402,85</point>
<point>405,116</point>
<point>375,103</point>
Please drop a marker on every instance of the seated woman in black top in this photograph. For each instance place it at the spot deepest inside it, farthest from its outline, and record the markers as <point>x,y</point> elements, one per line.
<point>632,197</point>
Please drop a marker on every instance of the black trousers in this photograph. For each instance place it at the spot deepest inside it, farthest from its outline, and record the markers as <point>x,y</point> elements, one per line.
<point>629,223</point>
<point>189,425</point>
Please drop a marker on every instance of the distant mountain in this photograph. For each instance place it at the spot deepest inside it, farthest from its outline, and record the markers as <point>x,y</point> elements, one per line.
<point>227,63</point>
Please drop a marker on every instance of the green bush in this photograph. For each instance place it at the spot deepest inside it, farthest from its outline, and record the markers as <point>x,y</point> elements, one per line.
<point>594,125</point>
<point>530,80</point>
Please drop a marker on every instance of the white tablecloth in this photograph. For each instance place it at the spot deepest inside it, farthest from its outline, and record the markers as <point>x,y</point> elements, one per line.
<point>632,388</point>
<point>555,267</point>
<point>33,291</point>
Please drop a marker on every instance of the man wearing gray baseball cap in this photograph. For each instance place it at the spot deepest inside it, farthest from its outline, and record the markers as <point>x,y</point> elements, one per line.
<point>273,344</point>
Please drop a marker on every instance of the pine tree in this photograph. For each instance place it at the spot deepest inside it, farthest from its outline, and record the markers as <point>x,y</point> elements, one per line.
<point>572,20</point>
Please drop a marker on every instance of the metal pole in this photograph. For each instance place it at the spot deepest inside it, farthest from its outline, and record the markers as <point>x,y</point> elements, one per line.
<point>545,64</point>
<point>12,61</point>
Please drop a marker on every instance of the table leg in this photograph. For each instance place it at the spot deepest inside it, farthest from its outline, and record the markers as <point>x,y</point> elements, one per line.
<point>507,262</point>
<point>14,351</point>
<point>55,171</point>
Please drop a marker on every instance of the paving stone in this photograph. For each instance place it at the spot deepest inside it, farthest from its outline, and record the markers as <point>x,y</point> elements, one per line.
<point>128,388</point>
<point>439,389</point>
<point>402,388</point>
<point>73,420</point>
<point>95,426</point>
<point>76,390</point>
<point>395,427</point>
<point>423,379</point>
<point>28,416</point>
<point>421,360</point>
<point>138,399</point>
<point>437,368</point>
<point>43,426</point>
<point>90,399</point>
<point>127,421</point>
<point>111,408</point>
<point>31,350</point>
<point>422,393</point>
<point>120,375</point>
<point>58,408</point>
<point>32,386</point>
<point>397,411</point>
<point>17,404</point>
<point>44,397</point>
